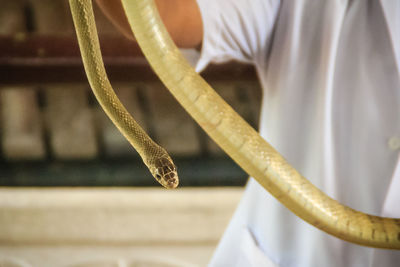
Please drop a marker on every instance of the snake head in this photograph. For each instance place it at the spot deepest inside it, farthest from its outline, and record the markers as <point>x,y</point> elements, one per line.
<point>165,172</point>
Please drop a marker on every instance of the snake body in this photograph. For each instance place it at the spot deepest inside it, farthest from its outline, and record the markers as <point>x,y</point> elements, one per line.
<point>239,140</point>
<point>154,156</point>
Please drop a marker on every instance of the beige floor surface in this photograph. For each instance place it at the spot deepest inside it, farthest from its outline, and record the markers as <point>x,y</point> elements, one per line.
<point>112,226</point>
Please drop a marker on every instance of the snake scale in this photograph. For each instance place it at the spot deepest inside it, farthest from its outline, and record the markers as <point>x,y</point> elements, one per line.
<point>239,140</point>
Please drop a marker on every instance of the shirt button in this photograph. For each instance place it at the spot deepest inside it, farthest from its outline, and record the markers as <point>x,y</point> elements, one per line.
<point>394,143</point>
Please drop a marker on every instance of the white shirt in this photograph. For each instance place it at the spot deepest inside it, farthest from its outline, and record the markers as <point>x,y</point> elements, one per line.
<point>329,70</point>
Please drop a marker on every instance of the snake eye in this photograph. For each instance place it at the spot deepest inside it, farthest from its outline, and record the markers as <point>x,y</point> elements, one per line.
<point>158,176</point>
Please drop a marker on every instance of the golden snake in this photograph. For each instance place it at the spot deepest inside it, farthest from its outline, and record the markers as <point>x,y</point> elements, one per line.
<point>239,140</point>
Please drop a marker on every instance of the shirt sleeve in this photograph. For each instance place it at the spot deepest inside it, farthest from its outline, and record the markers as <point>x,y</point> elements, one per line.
<point>236,30</point>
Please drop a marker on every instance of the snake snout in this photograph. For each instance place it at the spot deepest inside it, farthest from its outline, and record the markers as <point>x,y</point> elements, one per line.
<point>171,179</point>
<point>173,182</point>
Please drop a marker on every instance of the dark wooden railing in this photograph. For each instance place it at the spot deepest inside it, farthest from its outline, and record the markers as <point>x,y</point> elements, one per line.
<point>53,133</point>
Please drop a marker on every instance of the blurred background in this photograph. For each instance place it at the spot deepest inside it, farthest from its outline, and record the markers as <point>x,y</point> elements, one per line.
<point>72,191</point>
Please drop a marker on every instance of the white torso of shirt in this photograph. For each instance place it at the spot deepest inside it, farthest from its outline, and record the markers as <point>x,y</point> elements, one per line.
<point>331,106</point>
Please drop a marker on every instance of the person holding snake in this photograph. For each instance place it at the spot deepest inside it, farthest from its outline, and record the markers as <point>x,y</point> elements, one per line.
<point>331,104</point>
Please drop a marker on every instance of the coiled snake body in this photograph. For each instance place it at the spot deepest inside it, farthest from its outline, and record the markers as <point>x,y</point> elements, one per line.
<point>241,142</point>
